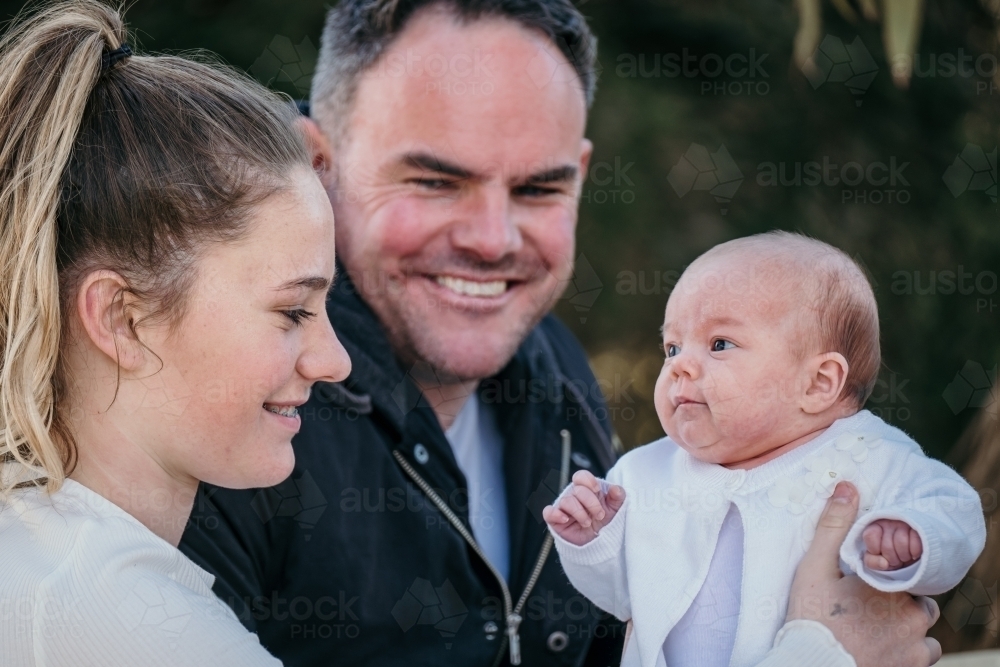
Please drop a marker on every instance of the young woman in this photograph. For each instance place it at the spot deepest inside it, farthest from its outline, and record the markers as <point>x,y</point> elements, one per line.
<point>165,254</point>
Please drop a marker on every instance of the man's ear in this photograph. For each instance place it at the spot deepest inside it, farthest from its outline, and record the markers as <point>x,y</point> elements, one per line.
<point>319,147</point>
<point>104,306</point>
<point>826,380</point>
<point>586,151</point>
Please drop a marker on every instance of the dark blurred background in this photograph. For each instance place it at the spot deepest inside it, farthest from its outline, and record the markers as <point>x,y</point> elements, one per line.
<point>704,130</point>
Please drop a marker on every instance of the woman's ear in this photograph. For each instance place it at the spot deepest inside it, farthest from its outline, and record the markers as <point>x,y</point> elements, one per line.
<point>319,148</point>
<point>104,307</point>
<point>827,377</point>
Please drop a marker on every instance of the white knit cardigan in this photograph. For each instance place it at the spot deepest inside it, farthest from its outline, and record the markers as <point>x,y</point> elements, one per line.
<point>651,560</point>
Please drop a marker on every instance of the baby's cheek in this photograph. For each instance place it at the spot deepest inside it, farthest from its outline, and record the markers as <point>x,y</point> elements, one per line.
<point>661,400</point>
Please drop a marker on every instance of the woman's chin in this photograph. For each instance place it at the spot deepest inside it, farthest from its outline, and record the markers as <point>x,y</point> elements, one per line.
<point>266,471</point>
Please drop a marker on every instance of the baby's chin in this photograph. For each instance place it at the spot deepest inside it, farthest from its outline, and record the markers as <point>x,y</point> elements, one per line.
<point>699,440</point>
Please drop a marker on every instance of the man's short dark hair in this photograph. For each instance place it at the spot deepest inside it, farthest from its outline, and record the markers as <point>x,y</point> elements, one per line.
<point>357,33</point>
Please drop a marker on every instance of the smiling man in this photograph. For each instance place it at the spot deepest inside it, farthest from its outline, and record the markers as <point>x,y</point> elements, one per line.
<point>449,135</point>
<point>450,140</point>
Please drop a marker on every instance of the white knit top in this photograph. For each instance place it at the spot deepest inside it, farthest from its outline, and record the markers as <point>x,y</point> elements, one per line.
<point>85,584</point>
<point>652,559</point>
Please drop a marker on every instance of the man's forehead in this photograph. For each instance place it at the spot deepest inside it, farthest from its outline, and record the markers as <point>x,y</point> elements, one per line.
<point>464,91</point>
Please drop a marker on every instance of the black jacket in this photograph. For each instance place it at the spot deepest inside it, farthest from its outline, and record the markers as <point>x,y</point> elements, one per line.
<point>349,562</point>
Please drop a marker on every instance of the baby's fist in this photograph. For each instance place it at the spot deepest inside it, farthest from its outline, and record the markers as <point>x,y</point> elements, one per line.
<point>891,545</point>
<point>579,515</point>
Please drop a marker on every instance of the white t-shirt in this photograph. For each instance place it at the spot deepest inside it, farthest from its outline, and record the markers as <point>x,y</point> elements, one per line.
<point>85,584</point>
<point>706,634</point>
<point>478,449</point>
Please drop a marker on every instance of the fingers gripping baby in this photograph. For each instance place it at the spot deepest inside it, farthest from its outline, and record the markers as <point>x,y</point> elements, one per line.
<point>771,347</point>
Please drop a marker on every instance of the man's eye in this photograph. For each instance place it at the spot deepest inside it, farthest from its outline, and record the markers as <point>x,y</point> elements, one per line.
<point>533,191</point>
<point>433,183</point>
<point>298,315</point>
<point>720,344</point>
<point>672,350</point>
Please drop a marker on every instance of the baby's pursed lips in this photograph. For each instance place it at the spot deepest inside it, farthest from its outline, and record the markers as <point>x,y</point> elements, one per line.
<point>679,400</point>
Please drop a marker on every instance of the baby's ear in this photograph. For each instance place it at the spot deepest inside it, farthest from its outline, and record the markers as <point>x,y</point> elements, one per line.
<point>827,376</point>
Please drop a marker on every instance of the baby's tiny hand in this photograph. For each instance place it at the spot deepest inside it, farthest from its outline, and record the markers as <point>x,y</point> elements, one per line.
<point>891,545</point>
<point>579,515</point>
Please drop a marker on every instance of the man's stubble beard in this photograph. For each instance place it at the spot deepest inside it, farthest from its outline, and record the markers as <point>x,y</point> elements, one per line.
<point>414,345</point>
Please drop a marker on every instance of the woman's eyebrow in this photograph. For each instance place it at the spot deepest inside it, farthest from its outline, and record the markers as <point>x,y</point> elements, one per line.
<point>314,283</point>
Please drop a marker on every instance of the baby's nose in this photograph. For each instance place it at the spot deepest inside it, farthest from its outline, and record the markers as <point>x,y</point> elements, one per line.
<point>685,365</point>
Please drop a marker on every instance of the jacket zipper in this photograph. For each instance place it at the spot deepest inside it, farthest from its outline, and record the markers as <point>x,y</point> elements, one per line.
<point>512,612</point>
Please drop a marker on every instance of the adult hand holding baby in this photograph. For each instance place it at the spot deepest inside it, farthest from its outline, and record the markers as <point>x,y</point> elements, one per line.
<point>579,515</point>
<point>876,628</point>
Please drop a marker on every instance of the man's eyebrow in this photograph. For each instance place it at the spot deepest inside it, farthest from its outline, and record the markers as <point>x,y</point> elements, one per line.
<point>566,172</point>
<point>433,163</point>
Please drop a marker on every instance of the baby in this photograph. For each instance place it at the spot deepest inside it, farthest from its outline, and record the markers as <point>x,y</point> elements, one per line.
<point>772,347</point>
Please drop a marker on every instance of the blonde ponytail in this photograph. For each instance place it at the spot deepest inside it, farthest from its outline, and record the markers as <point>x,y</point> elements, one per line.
<point>131,168</point>
<point>49,64</point>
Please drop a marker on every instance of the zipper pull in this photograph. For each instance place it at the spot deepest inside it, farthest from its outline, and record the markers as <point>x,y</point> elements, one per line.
<point>514,639</point>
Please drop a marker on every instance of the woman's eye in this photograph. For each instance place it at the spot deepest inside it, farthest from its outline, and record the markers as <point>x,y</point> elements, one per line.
<point>298,315</point>
<point>720,344</point>
<point>672,350</point>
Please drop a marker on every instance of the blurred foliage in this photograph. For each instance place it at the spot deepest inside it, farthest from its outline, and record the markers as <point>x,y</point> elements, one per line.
<point>651,119</point>
<point>639,227</point>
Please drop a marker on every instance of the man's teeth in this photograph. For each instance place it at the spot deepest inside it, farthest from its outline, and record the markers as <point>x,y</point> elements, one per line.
<point>289,411</point>
<point>472,288</point>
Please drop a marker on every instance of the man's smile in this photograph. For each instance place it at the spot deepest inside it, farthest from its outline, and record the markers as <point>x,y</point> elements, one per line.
<point>466,287</point>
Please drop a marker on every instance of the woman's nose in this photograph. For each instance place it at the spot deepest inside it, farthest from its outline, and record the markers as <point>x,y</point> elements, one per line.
<point>324,359</point>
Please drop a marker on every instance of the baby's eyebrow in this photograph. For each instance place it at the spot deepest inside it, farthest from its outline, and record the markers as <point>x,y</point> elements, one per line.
<point>725,320</point>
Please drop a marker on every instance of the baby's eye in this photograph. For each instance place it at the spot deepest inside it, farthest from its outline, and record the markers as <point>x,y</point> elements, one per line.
<point>672,350</point>
<point>720,344</point>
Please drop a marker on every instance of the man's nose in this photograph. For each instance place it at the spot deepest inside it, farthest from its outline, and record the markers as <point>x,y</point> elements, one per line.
<point>323,358</point>
<point>487,226</point>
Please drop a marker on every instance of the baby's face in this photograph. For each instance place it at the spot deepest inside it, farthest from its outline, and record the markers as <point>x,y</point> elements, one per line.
<point>735,368</point>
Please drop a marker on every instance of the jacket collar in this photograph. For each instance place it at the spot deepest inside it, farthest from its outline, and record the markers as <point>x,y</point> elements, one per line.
<point>375,370</point>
